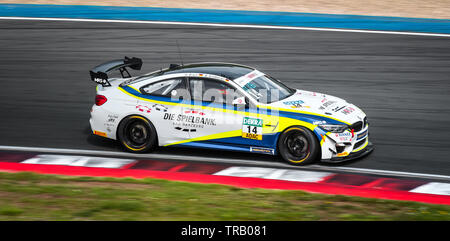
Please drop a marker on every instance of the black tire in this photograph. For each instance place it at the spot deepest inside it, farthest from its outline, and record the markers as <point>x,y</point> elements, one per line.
<point>137,134</point>
<point>298,146</point>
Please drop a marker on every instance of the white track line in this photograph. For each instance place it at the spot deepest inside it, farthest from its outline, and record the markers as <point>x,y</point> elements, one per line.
<point>226,25</point>
<point>223,161</point>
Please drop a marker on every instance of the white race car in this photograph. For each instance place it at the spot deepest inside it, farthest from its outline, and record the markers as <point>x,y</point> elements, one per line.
<point>224,106</point>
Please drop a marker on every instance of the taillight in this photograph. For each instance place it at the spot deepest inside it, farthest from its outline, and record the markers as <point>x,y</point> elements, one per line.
<point>100,100</point>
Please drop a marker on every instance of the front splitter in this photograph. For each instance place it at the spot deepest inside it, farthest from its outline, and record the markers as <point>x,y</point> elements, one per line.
<point>352,156</point>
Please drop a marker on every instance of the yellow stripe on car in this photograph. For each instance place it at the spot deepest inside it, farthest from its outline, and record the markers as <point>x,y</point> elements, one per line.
<point>301,112</point>
<point>283,122</point>
<point>210,137</point>
<point>229,111</point>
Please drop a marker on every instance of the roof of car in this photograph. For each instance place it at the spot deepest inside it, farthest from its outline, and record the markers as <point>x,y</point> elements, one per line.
<point>227,70</point>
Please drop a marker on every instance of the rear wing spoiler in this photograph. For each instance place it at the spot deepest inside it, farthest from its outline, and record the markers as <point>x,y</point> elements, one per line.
<point>99,73</point>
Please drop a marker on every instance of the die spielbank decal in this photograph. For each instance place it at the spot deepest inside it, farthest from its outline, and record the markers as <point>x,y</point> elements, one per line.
<point>189,123</point>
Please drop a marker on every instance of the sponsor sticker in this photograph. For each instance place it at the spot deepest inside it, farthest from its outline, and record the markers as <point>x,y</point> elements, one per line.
<point>206,75</point>
<point>348,110</point>
<point>252,128</point>
<point>328,103</point>
<point>189,120</point>
<point>100,81</point>
<point>244,80</point>
<point>159,107</point>
<point>112,118</point>
<point>295,104</point>
<point>345,136</point>
<point>262,150</point>
<point>319,122</point>
<point>361,135</point>
<point>143,108</point>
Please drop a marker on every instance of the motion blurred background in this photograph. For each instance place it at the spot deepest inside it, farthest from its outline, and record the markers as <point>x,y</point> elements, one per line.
<point>401,81</point>
<point>396,8</point>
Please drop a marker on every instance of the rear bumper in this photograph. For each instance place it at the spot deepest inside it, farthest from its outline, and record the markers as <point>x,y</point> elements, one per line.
<point>352,156</point>
<point>103,123</point>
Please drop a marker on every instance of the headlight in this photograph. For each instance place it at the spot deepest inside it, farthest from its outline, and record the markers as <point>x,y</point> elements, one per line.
<point>334,128</point>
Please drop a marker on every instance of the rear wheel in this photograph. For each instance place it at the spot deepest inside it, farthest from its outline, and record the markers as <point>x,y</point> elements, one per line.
<point>137,134</point>
<point>298,146</point>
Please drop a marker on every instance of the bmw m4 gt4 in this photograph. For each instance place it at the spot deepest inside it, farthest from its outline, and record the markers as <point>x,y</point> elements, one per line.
<point>224,106</point>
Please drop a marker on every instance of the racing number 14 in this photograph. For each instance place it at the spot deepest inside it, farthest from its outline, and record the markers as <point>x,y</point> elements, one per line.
<point>252,128</point>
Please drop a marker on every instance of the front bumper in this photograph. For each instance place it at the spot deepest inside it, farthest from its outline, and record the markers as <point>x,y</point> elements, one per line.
<point>352,156</point>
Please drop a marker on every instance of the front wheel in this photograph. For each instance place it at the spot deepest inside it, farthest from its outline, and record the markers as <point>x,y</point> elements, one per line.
<point>137,134</point>
<point>298,146</point>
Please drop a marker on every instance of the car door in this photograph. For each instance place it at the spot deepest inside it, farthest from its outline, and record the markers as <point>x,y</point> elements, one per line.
<point>214,118</point>
<point>165,108</point>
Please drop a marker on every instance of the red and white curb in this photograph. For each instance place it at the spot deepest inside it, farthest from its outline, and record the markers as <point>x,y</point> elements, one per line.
<point>239,176</point>
<point>274,173</point>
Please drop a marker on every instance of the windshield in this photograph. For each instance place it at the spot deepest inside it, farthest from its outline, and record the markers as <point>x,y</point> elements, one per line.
<point>263,88</point>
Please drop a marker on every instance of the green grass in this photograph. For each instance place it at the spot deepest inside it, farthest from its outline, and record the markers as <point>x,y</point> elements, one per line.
<point>28,196</point>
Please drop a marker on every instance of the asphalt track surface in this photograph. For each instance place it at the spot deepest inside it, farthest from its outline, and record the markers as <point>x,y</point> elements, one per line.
<point>402,82</point>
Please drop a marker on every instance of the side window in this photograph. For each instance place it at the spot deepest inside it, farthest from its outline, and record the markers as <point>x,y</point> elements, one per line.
<point>210,90</point>
<point>167,88</point>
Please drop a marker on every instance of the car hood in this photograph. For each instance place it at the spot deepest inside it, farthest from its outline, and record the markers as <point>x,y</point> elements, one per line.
<point>321,104</point>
